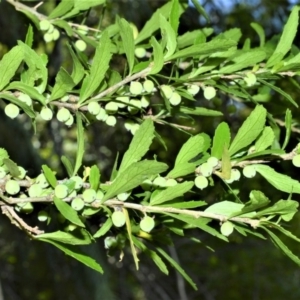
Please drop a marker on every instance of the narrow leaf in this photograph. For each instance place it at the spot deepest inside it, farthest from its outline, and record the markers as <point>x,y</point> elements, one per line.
<point>220,140</point>
<point>94,177</point>
<point>288,127</point>
<point>78,69</point>
<point>265,140</point>
<point>169,35</point>
<point>61,9</point>
<point>68,165</point>
<point>50,176</point>
<point>104,228</point>
<point>200,111</point>
<point>158,56</point>
<point>80,143</point>
<point>12,167</point>
<point>261,33</point>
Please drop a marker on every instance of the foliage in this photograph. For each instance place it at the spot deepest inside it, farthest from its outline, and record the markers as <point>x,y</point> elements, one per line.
<point>146,201</point>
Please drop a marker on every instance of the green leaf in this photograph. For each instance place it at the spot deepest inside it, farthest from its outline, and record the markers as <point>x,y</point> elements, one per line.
<point>286,39</point>
<point>201,10</point>
<point>285,208</point>
<point>68,165</point>
<point>200,111</point>
<point>175,265</point>
<point>80,5</point>
<point>61,9</point>
<point>185,205</point>
<point>77,237</point>
<point>114,171</point>
<point>278,90</point>
<point>80,143</point>
<point>31,16</point>
<point>172,192</point>
<point>260,31</point>
<point>244,60</point>
<point>168,34</point>
<point>94,177</point>
<point>288,127</point>
<point>221,139</point>
<point>226,164</point>
<point>3,155</point>
<point>175,15</point>
<point>29,36</point>
<point>158,56</point>
<point>249,130</point>
<point>78,255</point>
<point>50,176</point>
<point>265,140</point>
<point>139,145</point>
<point>9,64</point>
<point>28,90</point>
<point>68,212</point>
<point>243,230</point>
<point>280,181</point>
<point>282,246</point>
<point>281,229</point>
<point>78,69</point>
<point>64,25</point>
<point>12,167</point>
<point>63,84</point>
<point>27,109</point>
<point>189,38</point>
<point>99,68</point>
<point>204,49</point>
<point>133,176</point>
<point>104,228</point>
<point>128,42</point>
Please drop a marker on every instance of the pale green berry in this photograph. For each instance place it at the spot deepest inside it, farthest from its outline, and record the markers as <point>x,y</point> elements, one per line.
<point>111,121</point>
<point>249,171</point>
<point>42,181</point>
<point>123,196</point>
<point>250,79</point>
<point>61,191</point>
<point>159,181</point>
<point>175,99</point>
<point>135,88</point>
<point>206,169</point>
<point>46,113</point>
<point>145,101</point>
<point>134,128</point>
<point>128,124</point>
<point>193,89</point>
<point>201,182</point>
<point>213,161</point>
<point>236,174</point>
<point>167,91</point>
<point>227,228</point>
<point>44,25</point>
<point>146,185</point>
<point>140,52</point>
<point>118,218</point>
<point>48,37</point>
<point>63,114</point>
<point>171,182</point>
<point>27,208</point>
<point>89,195</point>
<point>22,173</point>
<point>35,190</point>
<point>77,204</point>
<point>99,195</point>
<point>209,92</point>
<point>231,179</point>
<point>43,216</point>
<point>94,108</point>
<point>296,160</point>
<point>124,100</point>
<point>55,34</point>
<point>102,116</point>
<point>82,29</point>
<point>65,98</point>
<point>78,182</point>
<point>80,45</point>
<point>11,110</point>
<point>12,187</point>
<point>25,98</point>
<point>147,224</point>
<point>135,106</point>
<point>51,28</point>
<point>148,86</point>
<point>111,107</point>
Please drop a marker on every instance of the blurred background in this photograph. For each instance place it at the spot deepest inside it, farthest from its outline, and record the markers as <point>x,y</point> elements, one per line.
<point>247,268</point>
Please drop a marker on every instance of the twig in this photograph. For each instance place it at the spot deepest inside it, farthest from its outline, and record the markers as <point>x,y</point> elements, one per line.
<point>282,123</point>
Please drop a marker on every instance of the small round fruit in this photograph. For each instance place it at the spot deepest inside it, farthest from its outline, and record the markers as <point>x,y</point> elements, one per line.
<point>145,101</point>
<point>48,37</point>
<point>111,107</point>
<point>171,182</point>
<point>236,174</point>
<point>146,185</point>
<point>22,173</point>
<point>148,86</point>
<point>227,228</point>
<point>140,52</point>
<point>111,121</point>
<point>55,34</point>
<point>175,99</point>
<point>82,29</point>
<point>147,224</point>
<point>35,190</point>
<point>77,204</point>
<point>193,89</point>
<point>61,191</point>
<point>42,181</point>
<point>134,129</point>
<point>94,108</point>
<point>44,25</point>
<point>102,116</point>
<point>135,88</point>
<point>128,124</point>
<point>209,92</point>
<point>206,169</point>
<point>167,91</point>
<point>159,181</point>
<point>46,113</point>
<point>135,106</point>
<point>12,187</point>
<point>65,98</point>
<point>123,196</point>
<point>63,115</point>
<point>70,121</point>
<point>213,161</point>
<point>89,195</point>
<point>12,110</point>
<point>27,208</point>
<point>43,216</point>
<point>80,45</point>
<point>25,98</point>
<point>201,182</point>
<point>118,218</point>
<point>122,101</point>
<point>78,182</point>
<point>296,160</point>
<point>250,79</point>
<point>99,195</point>
<point>249,171</point>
